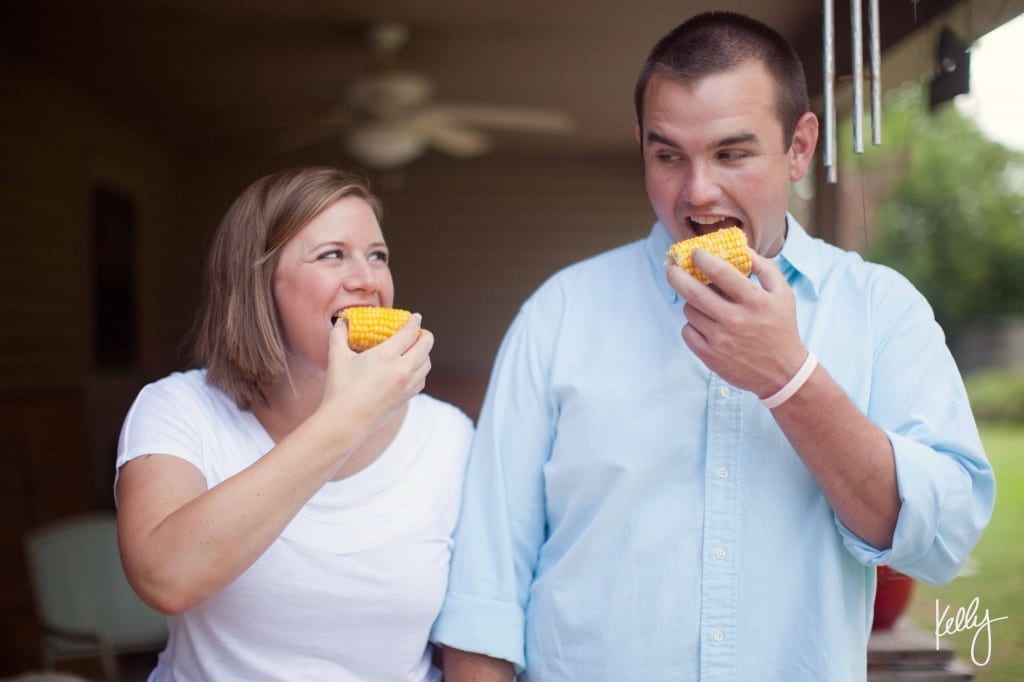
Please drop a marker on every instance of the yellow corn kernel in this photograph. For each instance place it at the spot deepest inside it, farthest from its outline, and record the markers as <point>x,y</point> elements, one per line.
<point>369,325</point>
<point>729,244</point>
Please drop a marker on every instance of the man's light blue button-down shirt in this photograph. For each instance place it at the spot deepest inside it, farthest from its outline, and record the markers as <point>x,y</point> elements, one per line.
<point>628,515</point>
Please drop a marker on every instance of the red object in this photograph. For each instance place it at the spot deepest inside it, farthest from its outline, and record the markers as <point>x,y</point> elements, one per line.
<point>892,597</point>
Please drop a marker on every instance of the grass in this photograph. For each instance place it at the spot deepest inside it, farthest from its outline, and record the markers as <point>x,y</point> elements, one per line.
<point>995,574</point>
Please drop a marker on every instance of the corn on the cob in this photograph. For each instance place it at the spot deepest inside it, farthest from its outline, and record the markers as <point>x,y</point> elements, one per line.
<point>729,244</point>
<point>369,325</point>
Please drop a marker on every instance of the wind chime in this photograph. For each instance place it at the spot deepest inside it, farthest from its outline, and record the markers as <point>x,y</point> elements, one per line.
<point>829,78</point>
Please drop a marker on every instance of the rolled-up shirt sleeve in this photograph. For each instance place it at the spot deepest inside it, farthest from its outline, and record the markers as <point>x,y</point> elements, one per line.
<point>502,522</point>
<point>946,485</point>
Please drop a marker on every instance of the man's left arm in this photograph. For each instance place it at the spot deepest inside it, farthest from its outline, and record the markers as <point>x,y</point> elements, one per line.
<point>749,337</point>
<point>849,456</point>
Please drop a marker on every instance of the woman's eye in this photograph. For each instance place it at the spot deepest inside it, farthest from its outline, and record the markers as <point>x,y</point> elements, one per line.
<point>380,256</point>
<point>334,254</point>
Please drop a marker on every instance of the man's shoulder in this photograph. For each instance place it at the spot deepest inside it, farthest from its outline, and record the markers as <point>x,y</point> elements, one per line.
<point>833,265</point>
<point>869,274</point>
<point>581,289</point>
<point>599,267</point>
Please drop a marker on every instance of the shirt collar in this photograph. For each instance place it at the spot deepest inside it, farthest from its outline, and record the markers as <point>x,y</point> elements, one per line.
<point>798,257</point>
<point>796,260</point>
<point>656,245</point>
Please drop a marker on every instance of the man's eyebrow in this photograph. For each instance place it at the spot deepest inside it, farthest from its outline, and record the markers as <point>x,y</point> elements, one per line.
<point>739,138</point>
<point>657,138</point>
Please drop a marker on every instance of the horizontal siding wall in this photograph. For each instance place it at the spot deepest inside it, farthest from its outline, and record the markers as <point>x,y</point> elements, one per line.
<point>57,146</point>
<point>469,247</point>
<point>58,415</point>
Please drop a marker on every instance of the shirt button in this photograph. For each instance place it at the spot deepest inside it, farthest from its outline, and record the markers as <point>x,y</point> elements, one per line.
<point>719,553</point>
<point>718,635</point>
<point>724,391</point>
<point>723,472</point>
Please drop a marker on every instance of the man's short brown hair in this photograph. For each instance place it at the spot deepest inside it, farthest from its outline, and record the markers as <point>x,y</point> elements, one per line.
<point>713,42</point>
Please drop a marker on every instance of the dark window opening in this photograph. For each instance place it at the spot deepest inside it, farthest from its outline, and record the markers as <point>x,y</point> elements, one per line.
<point>113,225</point>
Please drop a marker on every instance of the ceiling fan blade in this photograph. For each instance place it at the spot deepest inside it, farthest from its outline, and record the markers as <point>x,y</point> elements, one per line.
<point>293,139</point>
<point>462,143</point>
<point>447,134</point>
<point>506,118</point>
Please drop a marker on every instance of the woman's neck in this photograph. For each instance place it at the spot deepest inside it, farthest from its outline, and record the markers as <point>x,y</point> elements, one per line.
<point>290,403</point>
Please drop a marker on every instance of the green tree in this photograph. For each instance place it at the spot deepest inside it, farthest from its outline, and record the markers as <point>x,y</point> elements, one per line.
<point>951,210</point>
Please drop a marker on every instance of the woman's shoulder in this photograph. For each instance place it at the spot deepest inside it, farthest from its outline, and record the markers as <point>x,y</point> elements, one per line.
<point>188,384</point>
<point>441,431</point>
<point>186,393</point>
<point>436,409</point>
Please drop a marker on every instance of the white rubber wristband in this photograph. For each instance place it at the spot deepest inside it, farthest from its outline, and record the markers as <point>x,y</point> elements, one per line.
<point>798,380</point>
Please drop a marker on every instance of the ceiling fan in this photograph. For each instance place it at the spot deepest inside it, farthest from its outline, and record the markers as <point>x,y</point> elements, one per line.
<point>389,118</point>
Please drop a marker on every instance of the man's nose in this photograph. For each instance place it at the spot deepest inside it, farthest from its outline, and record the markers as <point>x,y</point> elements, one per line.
<point>701,186</point>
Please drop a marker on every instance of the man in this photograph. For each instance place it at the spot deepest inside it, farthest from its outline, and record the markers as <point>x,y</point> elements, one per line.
<point>640,507</point>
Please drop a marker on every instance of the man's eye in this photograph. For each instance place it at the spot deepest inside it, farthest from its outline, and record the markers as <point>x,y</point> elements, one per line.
<point>666,156</point>
<point>732,155</point>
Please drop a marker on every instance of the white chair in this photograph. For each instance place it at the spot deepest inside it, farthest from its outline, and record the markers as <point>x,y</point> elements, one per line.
<point>85,605</point>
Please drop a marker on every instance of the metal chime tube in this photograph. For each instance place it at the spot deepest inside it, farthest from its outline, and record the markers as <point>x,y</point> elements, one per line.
<point>857,46</point>
<point>874,38</point>
<point>829,95</point>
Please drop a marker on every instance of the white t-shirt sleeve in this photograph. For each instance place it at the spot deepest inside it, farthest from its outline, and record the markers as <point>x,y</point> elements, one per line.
<point>163,420</point>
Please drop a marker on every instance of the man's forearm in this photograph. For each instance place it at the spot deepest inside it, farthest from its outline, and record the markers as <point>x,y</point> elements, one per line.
<point>463,666</point>
<point>850,457</point>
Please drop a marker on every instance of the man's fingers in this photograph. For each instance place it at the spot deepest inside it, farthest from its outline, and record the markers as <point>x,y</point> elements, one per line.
<point>767,272</point>
<point>729,281</point>
<point>694,340</point>
<point>696,293</point>
<point>697,318</point>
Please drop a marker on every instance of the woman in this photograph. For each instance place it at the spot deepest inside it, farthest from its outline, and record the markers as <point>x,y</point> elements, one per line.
<point>290,505</point>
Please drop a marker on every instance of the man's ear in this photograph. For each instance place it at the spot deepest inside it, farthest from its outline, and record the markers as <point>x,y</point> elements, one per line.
<point>801,151</point>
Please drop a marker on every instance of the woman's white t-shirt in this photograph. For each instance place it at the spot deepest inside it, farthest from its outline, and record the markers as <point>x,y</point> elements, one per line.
<point>351,588</point>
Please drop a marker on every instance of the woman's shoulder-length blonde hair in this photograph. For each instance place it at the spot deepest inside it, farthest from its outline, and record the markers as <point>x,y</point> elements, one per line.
<point>237,337</point>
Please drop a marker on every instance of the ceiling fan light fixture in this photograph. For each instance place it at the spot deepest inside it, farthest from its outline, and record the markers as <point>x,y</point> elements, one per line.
<point>386,147</point>
<point>391,92</point>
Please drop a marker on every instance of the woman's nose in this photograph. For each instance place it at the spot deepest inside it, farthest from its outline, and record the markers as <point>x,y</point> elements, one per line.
<point>360,276</point>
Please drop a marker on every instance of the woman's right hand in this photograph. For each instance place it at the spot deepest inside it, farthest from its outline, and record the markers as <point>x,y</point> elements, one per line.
<point>370,386</point>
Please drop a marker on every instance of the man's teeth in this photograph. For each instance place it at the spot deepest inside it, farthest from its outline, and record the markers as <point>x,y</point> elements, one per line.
<point>707,219</point>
